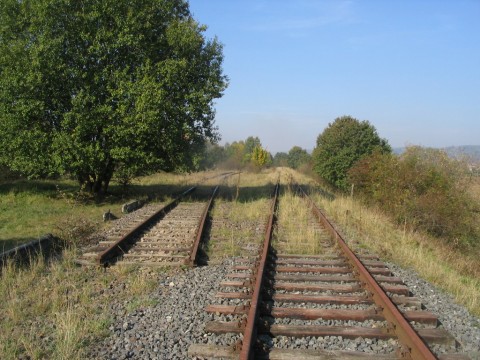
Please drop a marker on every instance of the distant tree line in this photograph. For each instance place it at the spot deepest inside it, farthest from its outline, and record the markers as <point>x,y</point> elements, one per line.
<point>242,154</point>
<point>250,154</point>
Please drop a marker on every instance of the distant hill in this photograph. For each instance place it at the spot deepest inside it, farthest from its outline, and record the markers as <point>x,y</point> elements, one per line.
<point>470,151</point>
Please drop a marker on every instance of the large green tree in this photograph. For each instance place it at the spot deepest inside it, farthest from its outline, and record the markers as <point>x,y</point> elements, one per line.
<point>96,87</point>
<point>342,144</point>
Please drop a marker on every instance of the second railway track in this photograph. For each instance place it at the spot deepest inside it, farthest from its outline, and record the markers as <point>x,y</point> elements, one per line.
<point>289,306</point>
<point>168,235</point>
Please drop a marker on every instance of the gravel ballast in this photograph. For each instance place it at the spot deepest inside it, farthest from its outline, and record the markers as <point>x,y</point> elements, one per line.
<point>166,330</point>
<point>455,318</point>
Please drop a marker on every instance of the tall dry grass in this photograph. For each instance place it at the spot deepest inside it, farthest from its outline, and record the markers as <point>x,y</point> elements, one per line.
<point>450,270</point>
<point>297,232</point>
<point>55,310</point>
<point>244,214</point>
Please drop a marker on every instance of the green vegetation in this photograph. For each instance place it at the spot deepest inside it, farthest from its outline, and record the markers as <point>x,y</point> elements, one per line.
<point>434,260</point>
<point>248,154</point>
<point>260,157</point>
<point>57,310</point>
<point>213,155</point>
<point>298,157</point>
<point>107,92</point>
<point>341,144</point>
<point>32,208</point>
<point>418,209</point>
<point>96,89</point>
<point>280,159</point>
<point>422,189</point>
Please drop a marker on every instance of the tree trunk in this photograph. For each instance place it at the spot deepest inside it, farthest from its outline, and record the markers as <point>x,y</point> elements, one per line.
<point>97,186</point>
<point>103,180</point>
<point>85,182</point>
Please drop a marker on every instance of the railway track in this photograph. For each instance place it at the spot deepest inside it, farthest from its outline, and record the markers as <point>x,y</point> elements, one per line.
<point>166,236</point>
<point>279,305</point>
<point>23,253</point>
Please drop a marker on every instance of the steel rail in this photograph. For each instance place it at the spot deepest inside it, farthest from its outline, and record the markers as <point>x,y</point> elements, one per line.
<point>415,347</point>
<point>200,229</point>
<point>117,248</point>
<point>27,250</point>
<point>250,333</point>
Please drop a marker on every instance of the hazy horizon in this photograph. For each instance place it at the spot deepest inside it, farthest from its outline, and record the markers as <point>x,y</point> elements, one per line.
<point>410,68</point>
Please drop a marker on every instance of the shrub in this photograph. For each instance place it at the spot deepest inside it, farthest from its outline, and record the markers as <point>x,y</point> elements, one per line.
<point>422,188</point>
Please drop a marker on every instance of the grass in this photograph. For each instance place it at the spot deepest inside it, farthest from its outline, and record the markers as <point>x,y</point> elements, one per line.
<point>55,310</point>
<point>445,266</point>
<point>31,209</point>
<point>450,270</point>
<point>244,217</point>
<point>297,231</point>
<point>41,311</point>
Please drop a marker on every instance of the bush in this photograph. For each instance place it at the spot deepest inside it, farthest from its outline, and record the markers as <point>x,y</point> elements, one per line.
<point>423,188</point>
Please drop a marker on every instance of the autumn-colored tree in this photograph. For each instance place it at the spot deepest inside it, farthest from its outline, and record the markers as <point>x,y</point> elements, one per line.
<point>260,157</point>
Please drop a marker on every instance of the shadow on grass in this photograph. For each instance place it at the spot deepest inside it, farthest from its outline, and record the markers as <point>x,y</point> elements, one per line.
<point>41,187</point>
<point>7,244</point>
<point>63,188</point>
<point>66,189</point>
<point>228,193</point>
<point>47,247</point>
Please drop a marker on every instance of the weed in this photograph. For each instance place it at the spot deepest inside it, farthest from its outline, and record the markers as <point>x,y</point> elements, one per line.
<point>434,260</point>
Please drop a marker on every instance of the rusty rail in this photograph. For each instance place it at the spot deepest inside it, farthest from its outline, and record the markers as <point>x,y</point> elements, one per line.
<point>24,252</point>
<point>200,229</point>
<point>414,346</point>
<point>120,246</point>
<point>250,333</point>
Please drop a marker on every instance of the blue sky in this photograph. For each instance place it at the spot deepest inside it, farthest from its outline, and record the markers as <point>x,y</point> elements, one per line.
<point>412,68</point>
